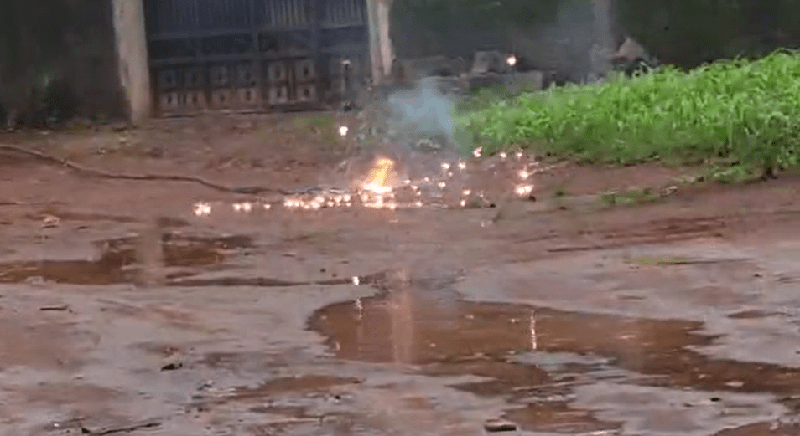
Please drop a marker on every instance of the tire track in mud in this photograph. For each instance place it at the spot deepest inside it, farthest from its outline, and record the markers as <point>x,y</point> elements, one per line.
<point>660,231</point>
<point>676,229</point>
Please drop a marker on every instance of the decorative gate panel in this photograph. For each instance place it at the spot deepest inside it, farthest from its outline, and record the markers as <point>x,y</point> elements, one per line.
<point>255,55</point>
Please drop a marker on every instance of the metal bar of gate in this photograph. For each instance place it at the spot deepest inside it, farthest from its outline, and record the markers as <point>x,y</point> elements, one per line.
<point>256,59</point>
<point>316,21</point>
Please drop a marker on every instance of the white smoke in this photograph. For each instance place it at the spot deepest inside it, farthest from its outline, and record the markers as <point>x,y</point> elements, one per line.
<point>423,113</point>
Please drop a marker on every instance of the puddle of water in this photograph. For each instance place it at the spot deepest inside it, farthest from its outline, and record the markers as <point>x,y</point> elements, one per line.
<point>367,280</point>
<point>507,343</point>
<point>305,383</point>
<point>119,258</point>
<point>753,314</point>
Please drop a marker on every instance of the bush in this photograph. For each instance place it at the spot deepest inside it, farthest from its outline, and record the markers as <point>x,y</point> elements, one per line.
<point>747,112</point>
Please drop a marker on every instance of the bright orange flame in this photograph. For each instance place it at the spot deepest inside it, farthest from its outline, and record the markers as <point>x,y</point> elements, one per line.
<point>378,179</point>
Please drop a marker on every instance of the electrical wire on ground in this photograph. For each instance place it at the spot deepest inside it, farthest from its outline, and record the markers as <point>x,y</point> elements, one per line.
<point>93,172</point>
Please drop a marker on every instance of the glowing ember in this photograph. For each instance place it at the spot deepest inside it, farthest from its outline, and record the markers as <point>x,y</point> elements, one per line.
<point>201,209</point>
<point>356,280</point>
<point>381,189</point>
<point>243,207</point>
<point>511,60</point>
<point>477,152</point>
<point>343,131</point>
<point>524,190</point>
<point>378,179</point>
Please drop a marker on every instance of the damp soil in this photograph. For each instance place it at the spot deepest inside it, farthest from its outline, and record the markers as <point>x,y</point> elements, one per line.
<point>121,260</point>
<point>535,356</point>
<point>764,429</point>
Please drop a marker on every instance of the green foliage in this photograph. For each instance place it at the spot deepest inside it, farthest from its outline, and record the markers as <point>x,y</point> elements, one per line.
<point>747,112</point>
<point>479,14</point>
<point>63,44</point>
<point>691,32</point>
<point>459,27</point>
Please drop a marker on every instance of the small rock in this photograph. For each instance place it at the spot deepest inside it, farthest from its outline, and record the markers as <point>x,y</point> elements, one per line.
<point>50,222</point>
<point>499,425</point>
<point>54,308</point>
<point>35,280</point>
<point>172,366</point>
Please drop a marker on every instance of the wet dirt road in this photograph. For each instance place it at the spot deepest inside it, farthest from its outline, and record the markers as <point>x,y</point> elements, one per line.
<point>131,315</point>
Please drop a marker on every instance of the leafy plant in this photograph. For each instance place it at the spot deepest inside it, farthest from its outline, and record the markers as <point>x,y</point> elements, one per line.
<point>743,111</point>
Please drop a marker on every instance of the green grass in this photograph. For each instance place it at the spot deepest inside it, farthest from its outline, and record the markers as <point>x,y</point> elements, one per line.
<point>739,113</point>
<point>630,197</point>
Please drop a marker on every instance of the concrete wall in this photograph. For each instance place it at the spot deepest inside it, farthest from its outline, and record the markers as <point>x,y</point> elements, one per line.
<point>69,43</point>
<point>84,58</point>
<point>381,49</point>
<point>132,60</point>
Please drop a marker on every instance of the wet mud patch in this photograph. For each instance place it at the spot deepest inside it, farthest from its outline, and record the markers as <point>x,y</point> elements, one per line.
<point>754,314</point>
<point>764,429</point>
<point>514,347</point>
<point>558,417</point>
<point>285,385</point>
<point>660,231</point>
<point>281,403</point>
<point>80,216</point>
<point>121,260</point>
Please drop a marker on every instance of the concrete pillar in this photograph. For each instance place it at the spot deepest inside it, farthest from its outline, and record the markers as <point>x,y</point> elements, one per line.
<point>380,45</point>
<point>604,38</point>
<point>131,42</point>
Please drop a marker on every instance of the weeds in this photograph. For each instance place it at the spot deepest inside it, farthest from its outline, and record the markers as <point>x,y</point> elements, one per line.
<point>630,197</point>
<point>745,113</point>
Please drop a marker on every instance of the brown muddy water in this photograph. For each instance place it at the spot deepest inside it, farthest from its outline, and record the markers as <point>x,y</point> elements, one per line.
<point>125,260</point>
<point>535,357</point>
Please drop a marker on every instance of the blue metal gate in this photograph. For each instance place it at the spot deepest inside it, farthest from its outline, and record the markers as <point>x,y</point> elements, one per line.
<point>254,55</point>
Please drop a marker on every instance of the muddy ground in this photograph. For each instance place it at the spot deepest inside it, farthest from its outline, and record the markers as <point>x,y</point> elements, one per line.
<point>123,312</point>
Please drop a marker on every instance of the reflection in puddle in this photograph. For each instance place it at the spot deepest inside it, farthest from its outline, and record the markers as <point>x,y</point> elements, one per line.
<point>510,345</point>
<point>121,259</point>
<point>268,282</point>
